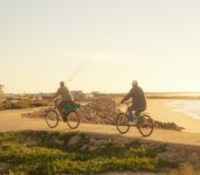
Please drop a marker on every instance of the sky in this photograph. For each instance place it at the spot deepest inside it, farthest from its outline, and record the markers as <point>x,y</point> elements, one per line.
<point>155,42</point>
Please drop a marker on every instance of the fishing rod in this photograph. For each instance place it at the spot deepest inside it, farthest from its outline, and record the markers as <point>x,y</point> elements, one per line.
<point>83,63</point>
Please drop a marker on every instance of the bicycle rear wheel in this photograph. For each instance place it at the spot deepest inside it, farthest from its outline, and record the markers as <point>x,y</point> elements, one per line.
<point>121,123</point>
<point>145,125</point>
<point>73,120</point>
<point>52,119</point>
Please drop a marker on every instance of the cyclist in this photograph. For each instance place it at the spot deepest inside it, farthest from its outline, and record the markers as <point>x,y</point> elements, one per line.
<point>66,97</point>
<point>138,102</point>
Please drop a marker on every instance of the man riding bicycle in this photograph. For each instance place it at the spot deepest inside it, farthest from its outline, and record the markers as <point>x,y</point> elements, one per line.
<point>138,102</point>
<point>66,97</point>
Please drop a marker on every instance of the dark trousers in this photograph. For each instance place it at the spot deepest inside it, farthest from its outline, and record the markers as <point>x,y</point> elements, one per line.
<point>130,110</point>
<point>61,106</point>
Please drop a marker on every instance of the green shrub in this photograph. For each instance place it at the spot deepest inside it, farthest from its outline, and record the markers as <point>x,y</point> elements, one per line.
<point>41,152</point>
<point>21,104</point>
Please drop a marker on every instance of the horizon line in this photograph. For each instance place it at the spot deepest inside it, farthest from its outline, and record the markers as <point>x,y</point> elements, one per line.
<point>104,92</point>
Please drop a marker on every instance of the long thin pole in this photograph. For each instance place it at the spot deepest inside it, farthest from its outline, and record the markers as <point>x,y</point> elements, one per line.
<point>82,64</point>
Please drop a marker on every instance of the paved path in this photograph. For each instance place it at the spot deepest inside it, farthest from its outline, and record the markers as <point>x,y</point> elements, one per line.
<point>10,120</point>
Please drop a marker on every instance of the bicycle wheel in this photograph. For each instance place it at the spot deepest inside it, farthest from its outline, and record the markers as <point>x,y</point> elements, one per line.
<point>121,123</point>
<point>52,119</point>
<point>145,125</point>
<point>73,120</point>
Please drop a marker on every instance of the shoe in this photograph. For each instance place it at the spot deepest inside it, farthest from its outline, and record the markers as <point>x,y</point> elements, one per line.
<point>131,123</point>
<point>64,118</point>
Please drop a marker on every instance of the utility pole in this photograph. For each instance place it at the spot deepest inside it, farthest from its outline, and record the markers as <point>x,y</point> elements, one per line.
<point>1,92</point>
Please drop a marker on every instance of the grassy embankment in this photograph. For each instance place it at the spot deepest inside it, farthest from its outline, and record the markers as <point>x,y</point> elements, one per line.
<point>41,152</point>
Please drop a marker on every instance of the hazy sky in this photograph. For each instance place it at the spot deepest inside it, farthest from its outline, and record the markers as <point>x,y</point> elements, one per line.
<point>156,42</point>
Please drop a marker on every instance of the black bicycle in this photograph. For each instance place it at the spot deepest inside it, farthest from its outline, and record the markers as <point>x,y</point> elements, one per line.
<point>71,117</point>
<point>144,123</point>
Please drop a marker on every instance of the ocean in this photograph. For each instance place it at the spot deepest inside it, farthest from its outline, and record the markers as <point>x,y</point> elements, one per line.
<point>188,107</point>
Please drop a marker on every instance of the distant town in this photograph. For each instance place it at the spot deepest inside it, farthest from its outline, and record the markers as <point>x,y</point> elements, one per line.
<point>79,95</point>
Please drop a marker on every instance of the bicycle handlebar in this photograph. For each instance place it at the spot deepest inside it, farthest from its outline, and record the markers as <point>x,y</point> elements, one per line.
<point>127,103</point>
<point>56,101</point>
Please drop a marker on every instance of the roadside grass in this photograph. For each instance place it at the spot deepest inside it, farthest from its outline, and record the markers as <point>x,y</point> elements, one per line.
<point>22,104</point>
<point>49,153</point>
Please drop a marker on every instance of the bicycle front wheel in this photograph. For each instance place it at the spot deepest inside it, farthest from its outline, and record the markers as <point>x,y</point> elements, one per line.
<point>121,123</point>
<point>52,119</point>
<point>145,125</point>
<point>73,120</point>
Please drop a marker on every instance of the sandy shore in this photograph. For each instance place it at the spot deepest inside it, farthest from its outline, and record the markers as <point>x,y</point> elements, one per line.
<point>10,120</point>
<point>160,110</point>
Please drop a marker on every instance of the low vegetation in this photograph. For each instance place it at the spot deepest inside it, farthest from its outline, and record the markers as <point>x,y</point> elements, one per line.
<point>47,153</point>
<point>21,104</point>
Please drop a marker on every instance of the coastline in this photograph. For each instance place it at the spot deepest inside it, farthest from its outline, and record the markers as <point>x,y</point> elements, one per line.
<point>160,109</point>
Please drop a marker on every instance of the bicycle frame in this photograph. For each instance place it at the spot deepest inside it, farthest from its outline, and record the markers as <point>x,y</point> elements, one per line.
<point>141,123</point>
<point>59,117</point>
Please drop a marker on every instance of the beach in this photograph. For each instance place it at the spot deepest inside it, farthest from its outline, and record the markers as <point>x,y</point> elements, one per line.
<point>164,110</point>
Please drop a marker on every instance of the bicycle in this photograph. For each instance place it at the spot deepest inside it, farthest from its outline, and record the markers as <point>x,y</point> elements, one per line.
<point>71,117</point>
<point>144,123</point>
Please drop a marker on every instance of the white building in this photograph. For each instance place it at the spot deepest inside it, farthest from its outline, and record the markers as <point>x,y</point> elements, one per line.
<point>77,95</point>
<point>88,96</point>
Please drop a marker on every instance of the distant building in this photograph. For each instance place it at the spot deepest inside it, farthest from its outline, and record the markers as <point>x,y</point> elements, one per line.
<point>46,96</point>
<point>13,96</point>
<point>88,96</point>
<point>95,93</point>
<point>1,92</point>
<point>77,95</point>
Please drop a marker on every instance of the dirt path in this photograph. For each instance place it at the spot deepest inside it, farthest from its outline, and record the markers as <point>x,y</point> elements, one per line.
<point>11,120</point>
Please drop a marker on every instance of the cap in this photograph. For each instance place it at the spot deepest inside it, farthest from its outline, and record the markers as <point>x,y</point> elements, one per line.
<point>134,82</point>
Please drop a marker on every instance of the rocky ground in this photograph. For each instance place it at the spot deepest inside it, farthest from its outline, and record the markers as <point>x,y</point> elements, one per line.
<point>179,153</point>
